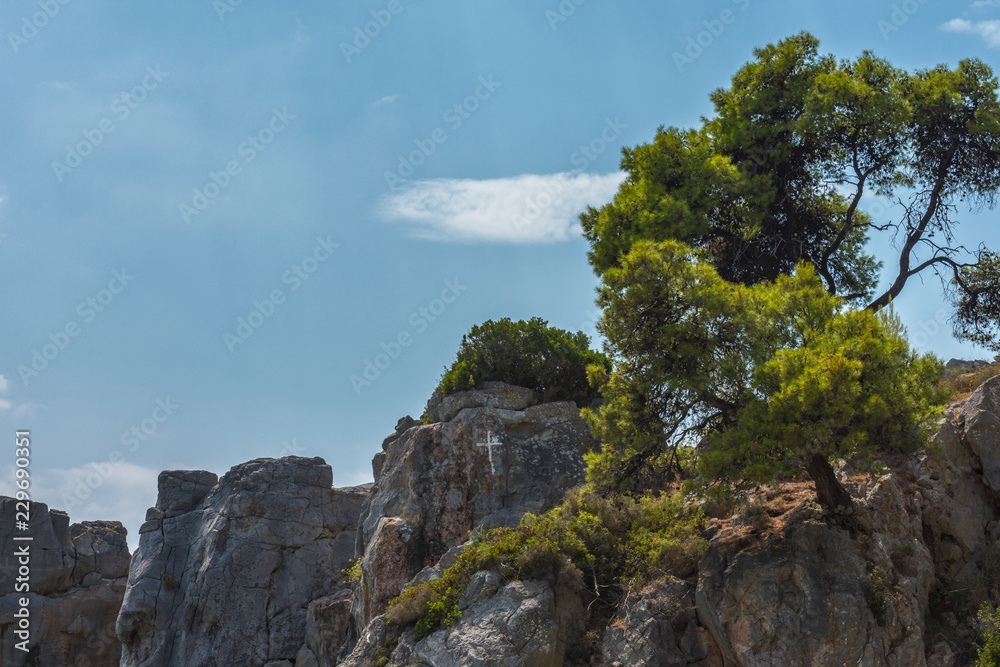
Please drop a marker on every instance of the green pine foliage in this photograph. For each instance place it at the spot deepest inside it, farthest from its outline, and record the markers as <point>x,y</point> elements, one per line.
<point>782,172</point>
<point>756,378</point>
<point>528,354</point>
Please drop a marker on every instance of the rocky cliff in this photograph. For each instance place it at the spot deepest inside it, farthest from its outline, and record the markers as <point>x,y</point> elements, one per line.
<point>893,581</point>
<point>484,458</point>
<point>248,569</point>
<point>77,578</point>
<point>230,571</point>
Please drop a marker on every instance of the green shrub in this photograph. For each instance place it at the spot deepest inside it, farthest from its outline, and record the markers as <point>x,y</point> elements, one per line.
<point>989,622</point>
<point>528,354</point>
<point>589,543</point>
<point>878,591</point>
<point>170,583</point>
<point>352,573</point>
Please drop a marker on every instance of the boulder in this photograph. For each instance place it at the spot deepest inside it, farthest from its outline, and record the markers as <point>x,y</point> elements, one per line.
<point>445,407</point>
<point>496,457</point>
<point>229,567</point>
<point>77,581</point>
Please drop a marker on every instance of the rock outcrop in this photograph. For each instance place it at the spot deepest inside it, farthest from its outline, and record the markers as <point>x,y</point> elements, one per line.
<point>227,569</point>
<point>804,594</point>
<point>248,569</point>
<point>960,366</point>
<point>894,582</point>
<point>658,627</point>
<point>490,455</point>
<point>518,624</point>
<point>77,580</point>
<point>900,587</point>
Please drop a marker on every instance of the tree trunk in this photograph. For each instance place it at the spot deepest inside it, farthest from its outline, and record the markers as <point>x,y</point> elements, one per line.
<point>828,490</point>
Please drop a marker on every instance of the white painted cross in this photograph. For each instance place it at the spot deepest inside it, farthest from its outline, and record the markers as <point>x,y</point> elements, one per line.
<point>490,443</point>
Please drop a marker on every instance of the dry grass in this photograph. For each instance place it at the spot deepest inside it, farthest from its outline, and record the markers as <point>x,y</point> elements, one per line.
<point>768,511</point>
<point>961,386</point>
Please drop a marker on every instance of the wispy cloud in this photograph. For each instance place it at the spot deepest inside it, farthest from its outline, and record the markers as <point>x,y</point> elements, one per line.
<point>4,403</point>
<point>388,99</point>
<point>988,30</point>
<point>523,209</point>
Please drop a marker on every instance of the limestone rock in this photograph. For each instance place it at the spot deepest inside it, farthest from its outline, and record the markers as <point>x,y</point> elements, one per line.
<point>960,366</point>
<point>658,627</point>
<point>229,567</point>
<point>960,481</point>
<point>981,421</point>
<point>817,595</point>
<point>444,408</point>
<point>437,482</point>
<point>77,582</point>
<point>525,624</point>
<point>327,621</point>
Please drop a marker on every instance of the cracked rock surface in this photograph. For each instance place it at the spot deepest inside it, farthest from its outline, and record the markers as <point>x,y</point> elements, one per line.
<point>494,455</point>
<point>226,568</point>
<point>77,580</point>
<point>522,624</point>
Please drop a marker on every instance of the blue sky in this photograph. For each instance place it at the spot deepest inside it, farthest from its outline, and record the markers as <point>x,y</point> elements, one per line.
<point>205,231</point>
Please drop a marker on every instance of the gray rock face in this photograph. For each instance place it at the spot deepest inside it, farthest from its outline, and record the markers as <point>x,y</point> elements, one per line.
<point>523,624</point>
<point>496,458</point>
<point>959,366</point>
<point>798,601</point>
<point>327,621</point>
<point>960,486</point>
<point>77,580</point>
<point>805,597</point>
<point>658,627</point>
<point>818,595</point>
<point>229,567</point>
<point>488,395</point>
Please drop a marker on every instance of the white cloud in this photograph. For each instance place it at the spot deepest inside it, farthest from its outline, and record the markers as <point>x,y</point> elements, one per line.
<point>4,405</point>
<point>95,491</point>
<point>979,4</point>
<point>3,385</point>
<point>388,99</point>
<point>523,209</point>
<point>988,30</point>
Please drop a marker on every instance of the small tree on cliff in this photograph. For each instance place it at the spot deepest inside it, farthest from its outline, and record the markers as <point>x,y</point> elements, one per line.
<point>765,380</point>
<point>708,347</point>
<point>529,354</point>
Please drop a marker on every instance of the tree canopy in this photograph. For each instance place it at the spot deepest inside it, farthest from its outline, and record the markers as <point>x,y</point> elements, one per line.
<point>740,304</point>
<point>779,175</point>
<point>764,380</point>
<point>529,354</point>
